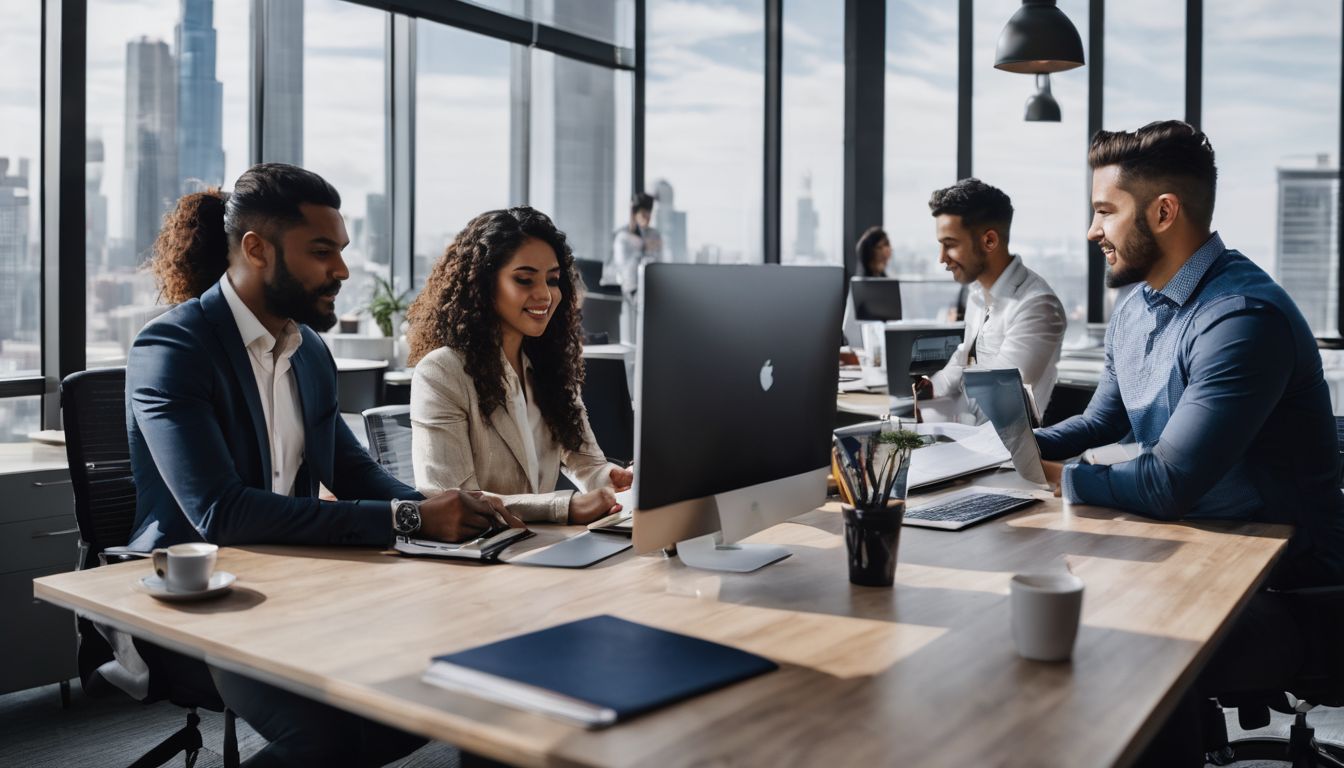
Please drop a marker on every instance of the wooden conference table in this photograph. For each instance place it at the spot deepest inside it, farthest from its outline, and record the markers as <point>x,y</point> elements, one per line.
<point>920,674</point>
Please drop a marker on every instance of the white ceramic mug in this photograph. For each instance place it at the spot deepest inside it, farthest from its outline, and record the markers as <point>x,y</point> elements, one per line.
<point>186,567</point>
<point>1046,608</point>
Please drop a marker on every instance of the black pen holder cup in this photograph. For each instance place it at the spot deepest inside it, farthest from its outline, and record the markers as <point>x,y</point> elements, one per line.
<point>871,538</point>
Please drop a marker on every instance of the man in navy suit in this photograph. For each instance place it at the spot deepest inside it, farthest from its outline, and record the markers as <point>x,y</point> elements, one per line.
<point>233,422</point>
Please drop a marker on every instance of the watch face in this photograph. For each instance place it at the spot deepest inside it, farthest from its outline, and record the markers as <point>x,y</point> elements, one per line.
<point>408,518</point>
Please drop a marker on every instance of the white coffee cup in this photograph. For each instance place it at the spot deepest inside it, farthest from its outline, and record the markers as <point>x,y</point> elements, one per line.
<point>186,567</point>
<point>1046,608</point>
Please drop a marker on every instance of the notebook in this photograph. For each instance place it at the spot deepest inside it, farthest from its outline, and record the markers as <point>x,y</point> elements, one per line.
<point>485,547</point>
<point>596,671</point>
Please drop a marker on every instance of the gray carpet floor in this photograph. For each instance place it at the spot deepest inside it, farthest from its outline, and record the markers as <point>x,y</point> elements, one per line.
<point>36,732</point>
<point>115,731</point>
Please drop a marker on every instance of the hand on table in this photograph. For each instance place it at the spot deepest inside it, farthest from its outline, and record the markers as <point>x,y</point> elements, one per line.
<point>584,508</point>
<point>460,515</point>
<point>1054,474</point>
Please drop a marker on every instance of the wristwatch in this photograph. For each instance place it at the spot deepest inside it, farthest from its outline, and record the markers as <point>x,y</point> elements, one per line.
<point>405,517</point>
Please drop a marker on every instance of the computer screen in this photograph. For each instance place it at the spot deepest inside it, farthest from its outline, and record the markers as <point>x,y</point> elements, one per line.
<point>876,298</point>
<point>590,272</point>
<point>735,388</point>
<point>918,350</point>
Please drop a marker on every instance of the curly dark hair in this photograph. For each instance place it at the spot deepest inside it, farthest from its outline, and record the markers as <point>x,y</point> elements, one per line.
<point>456,309</point>
<point>978,204</point>
<point>191,251</point>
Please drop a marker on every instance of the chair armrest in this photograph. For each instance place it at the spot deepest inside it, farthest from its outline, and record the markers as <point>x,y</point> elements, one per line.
<point>120,555</point>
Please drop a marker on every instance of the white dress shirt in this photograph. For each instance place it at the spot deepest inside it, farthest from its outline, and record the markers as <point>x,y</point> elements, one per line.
<point>527,415</point>
<point>276,384</point>
<point>1018,323</point>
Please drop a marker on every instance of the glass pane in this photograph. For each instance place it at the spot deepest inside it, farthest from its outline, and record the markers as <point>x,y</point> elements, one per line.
<point>468,147</point>
<point>167,114</point>
<point>812,168</point>
<point>18,417</point>
<point>920,151</point>
<point>20,237</point>
<point>340,79</point>
<point>1271,110</point>
<point>1145,64</point>
<point>578,127</point>
<point>704,94</point>
<point>1041,166</point>
<point>611,21</point>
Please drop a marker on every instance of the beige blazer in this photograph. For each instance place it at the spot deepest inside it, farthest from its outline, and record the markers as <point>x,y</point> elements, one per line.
<point>454,446</point>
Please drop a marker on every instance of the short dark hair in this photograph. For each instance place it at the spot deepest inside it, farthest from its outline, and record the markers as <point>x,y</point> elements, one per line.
<point>1165,156</point>
<point>977,203</point>
<point>266,199</point>
<point>641,201</point>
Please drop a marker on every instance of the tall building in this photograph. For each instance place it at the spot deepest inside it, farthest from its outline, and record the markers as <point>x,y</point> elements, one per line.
<point>200,99</point>
<point>150,175</point>
<point>15,259</point>
<point>282,86</point>
<point>805,240</point>
<point>671,224</point>
<point>1307,245</point>
<point>95,206</point>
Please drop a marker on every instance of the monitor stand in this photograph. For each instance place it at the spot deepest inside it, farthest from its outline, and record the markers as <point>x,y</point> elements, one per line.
<point>711,554</point>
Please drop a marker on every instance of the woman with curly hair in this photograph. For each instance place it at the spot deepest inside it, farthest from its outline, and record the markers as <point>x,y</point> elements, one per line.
<point>497,348</point>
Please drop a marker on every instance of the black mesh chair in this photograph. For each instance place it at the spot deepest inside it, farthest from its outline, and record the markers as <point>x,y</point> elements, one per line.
<point>93,411</point>
<point>606,396</point>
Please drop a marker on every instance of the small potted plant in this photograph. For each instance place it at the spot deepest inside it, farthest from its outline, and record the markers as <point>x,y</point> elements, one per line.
<point>872,467</point>
<point>386,305</point>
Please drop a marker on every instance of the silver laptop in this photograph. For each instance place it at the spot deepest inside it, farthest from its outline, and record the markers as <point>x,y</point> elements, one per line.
<point>997,395</point>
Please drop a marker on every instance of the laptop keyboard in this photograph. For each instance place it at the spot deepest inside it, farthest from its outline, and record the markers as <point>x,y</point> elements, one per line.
<point>969,509</point>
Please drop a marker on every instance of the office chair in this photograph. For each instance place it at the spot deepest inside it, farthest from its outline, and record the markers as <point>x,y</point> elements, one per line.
<point>93,411</point>
<point>389,431</point>
<point>606,396</point>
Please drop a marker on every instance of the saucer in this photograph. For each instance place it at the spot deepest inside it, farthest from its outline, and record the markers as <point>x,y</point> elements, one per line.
<point>220,582</point>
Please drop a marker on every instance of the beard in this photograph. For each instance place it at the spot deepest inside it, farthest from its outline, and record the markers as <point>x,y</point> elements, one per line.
<point>1136,258</point>
<point>286,297</point>
<point>972,268</point>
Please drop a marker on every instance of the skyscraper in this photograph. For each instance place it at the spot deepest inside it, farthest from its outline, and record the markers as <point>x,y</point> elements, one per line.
<point>1307,244</point>
<point>200,147</point>
<point>14,257</point>
<point>95,206</point>
<point>282,86</point>
<point>150,177</point>
<point>805,241</point>
<point>670,222</point>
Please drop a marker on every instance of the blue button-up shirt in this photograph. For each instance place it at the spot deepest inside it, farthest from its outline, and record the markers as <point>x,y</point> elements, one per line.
<point>1217,377</point>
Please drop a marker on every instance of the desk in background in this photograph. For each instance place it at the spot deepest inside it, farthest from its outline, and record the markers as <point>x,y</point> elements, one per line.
<point>920,674</point>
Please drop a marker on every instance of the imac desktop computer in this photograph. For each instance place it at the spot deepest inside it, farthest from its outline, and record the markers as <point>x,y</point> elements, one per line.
<point>735,382</point>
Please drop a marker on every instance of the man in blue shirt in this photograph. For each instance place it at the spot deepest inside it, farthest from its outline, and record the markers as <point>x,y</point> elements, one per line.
<point>1209,365</point>
<point>1212,369</point>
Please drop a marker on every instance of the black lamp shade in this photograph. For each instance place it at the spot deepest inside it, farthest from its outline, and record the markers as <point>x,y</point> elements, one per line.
<point>1042,107</point>
<point>1039,38</point>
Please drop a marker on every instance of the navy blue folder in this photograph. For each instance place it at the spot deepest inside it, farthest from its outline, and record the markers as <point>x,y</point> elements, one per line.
<point>619,668</point>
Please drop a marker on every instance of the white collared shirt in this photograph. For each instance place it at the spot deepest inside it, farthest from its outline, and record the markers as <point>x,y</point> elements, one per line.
<point>1018,323</point>
<point>276,384</point>
<point>527,415</point>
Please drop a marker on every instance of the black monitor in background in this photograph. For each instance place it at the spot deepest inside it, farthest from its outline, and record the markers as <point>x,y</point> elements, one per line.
<point>918,350</point>
<point>600,315</point>
<point>590,272</point>
<point>735,395</point>
<point>876,298</point>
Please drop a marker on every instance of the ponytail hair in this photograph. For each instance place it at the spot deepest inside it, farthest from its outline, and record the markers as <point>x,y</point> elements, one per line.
<point>191,252</point>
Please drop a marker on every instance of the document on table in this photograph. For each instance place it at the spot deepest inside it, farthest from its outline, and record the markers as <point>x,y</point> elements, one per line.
<point>973,449</point>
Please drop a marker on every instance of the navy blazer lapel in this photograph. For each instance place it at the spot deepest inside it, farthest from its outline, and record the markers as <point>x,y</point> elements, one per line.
<point>299,365</point>
<point>216,308</point>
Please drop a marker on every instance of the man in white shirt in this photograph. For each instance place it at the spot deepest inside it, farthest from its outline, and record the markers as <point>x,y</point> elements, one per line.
<point>1013,318</point>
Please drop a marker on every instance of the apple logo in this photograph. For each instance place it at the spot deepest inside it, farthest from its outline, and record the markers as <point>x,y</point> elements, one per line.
<point>767,376</point>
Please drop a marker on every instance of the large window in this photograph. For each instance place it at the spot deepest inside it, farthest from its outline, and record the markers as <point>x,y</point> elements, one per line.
<point>1271,110</point>
<point>20,238</point>
<point>611,21</point>
<point>704,94</point>
<point>164,79</point>
<point>920,143</point>
<point>1041,166</point>
<point>1145,63</point>
<point>813,132</point>
<point>341,130</point>
<point>471,133</point>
